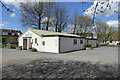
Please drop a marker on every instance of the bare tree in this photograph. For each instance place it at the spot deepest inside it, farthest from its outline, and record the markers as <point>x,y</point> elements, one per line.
<point>84,25</point>
<point>56,16</point>
<point>48,13</point>
<point>101,7</point>
<point>74,21</point>
<point>61,17</point>
<point>103,31</point>
<point>32,13</point>
<point>3,5</point>
<point>112,34</point>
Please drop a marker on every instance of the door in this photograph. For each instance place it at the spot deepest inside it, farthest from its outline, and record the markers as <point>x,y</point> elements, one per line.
<point>24,44</point>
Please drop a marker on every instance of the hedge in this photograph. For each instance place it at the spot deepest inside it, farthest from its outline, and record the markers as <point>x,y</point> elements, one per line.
<point>87,45</point>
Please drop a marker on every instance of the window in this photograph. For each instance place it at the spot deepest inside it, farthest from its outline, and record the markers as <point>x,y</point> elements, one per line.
<point>4,33</point>
<point>35,40</point>
<point>81,41</point>
<point>9,33</point>
<point>87,41</point>
<point>74,41</point>
<point>13,34</point>
<point>18,34</point>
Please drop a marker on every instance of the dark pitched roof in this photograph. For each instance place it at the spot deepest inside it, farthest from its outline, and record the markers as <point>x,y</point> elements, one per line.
<point>10,30</point>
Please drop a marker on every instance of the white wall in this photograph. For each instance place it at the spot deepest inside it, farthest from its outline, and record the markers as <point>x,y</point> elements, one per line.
<point>92,42</point>
<point>33,35</point>
<point>66,44</point>
<point>51,44</point>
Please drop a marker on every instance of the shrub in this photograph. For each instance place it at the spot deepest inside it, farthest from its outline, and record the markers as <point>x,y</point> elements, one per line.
<point>14,46</point>
<point>9,40</point>
<point>1,46</point>
<point>34,49</point>
<point>87,45</point>
<point>107,44</point>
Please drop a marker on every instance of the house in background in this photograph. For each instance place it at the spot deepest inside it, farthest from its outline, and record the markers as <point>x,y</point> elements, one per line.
<point>114,39</point>
<point>47,41</point>
<point>9,36</point>
<point>113,42</point>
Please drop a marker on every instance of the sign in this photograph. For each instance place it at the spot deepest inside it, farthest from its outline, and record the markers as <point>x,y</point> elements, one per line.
<point>43,42</point>
<point>28,35</point>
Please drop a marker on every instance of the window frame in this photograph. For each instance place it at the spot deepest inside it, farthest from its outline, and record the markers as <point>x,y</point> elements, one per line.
<point>74,41</point>
<point>111,41</point>
<point>36,41</point>
<point>81,42</point>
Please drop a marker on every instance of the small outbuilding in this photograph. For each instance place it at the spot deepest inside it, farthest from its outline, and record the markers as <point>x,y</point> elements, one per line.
<point>47,41</point>
<point>92,41</point>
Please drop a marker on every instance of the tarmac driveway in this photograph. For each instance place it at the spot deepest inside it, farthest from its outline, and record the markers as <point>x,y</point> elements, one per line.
<point>103,55</point>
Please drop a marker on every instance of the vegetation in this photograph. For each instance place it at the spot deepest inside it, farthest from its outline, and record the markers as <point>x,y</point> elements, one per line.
<point>103,31</point>
<point>9,40</point>
<point>34,49</point>
<point>1,46</point>
<point>42,15</point>
<point>87,45</point>
<point>118,43</point>
<point>14,46</point>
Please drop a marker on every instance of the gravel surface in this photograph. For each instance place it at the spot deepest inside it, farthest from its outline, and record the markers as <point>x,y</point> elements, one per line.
<point>104,55</point>
<point>49,68</point>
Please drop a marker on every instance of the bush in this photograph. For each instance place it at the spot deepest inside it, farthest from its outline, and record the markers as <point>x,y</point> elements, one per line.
<point>14,46</point>
<point>1,46</point>
<point>118,43</point>
<point>107,44</point>
<point>87,45</point>
<point>34,49</point>
<point>9,40</point>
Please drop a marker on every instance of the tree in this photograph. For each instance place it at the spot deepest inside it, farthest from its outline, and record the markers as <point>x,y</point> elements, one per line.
<point>113,35</point>
<point>56,16</point>
<point>101,7</point>
<point>48,13</point>
<point>84,25</point>
<point>32,13</point>
<point>61,17</point>
<point>98,31</point>
<point>119,32</point>
<point>103,31</point>
<point>74,21</point>
<point>3,5</point>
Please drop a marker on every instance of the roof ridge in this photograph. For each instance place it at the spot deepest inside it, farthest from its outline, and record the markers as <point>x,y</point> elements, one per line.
<point>54,32</point>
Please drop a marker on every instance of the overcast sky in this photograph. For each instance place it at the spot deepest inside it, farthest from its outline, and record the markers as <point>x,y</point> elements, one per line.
<point>12,20</point>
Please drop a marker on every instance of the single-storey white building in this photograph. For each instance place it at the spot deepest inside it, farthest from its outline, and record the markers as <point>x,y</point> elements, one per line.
<point>47,41</point>
<point>92,41</point>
